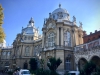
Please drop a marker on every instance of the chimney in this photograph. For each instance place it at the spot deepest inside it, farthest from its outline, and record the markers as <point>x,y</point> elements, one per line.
<point>96,31</point>
<point>84,33</point>
<point>90,33</point>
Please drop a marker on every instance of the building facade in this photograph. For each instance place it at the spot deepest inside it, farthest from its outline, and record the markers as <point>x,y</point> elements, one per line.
<point>61,38</point>
<point>89,51</point>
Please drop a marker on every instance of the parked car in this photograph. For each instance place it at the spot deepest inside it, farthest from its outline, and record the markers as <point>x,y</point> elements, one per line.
<point>73,73</point>
<point>24,72</point>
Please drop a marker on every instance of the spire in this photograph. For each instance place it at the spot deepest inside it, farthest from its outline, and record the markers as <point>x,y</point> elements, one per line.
<point>31,20</point>
<point>59,5</point>
<point>31,23</point>
<point>44,21</point>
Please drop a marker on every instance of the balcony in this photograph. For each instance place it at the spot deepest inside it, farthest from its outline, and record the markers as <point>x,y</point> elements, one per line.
<point>57,47</point>
<point>87,46</point>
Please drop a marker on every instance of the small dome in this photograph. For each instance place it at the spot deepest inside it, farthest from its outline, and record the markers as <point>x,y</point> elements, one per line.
<point>59,10</point>
<point>60,13</point>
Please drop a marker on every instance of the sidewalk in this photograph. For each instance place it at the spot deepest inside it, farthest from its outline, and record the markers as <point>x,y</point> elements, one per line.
<point>3,74</point>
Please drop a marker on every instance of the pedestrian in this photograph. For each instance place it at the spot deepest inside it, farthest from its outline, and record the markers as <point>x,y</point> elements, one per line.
<point>17,72</point>
<point>14,73</point>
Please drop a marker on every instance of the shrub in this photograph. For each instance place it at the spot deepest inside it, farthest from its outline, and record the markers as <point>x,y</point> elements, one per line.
<point>10,73</point>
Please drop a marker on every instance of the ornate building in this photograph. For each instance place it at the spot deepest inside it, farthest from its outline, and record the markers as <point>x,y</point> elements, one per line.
<point>5,56</point>
<point>28,44</point>
<point>61,38</point>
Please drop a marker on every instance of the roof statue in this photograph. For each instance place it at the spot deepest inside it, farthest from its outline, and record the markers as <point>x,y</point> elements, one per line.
<point>59,5</point>
<point>50,16</point>
<point>74,19</point>
<point>80,24</point>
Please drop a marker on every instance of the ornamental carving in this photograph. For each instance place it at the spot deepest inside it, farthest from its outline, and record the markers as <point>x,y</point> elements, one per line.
<point>50,25</point>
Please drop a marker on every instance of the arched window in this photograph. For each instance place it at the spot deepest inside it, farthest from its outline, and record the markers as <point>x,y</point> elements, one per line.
<point>68,64</point>
<point>27,51</point>
<point>67,39</point>
<point>25,38</point>
<point>17,51</point>
<point>4,55</point>
<point>28,38</point>
<point>51,39</point>
<point>34,51</point>
<point>40,47</point>
<point>32,38</point>
<point>99,36</point>
<point>8,55</point>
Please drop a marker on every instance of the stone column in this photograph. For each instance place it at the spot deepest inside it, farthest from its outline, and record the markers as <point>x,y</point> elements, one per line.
<point>74,40</point>
<point>57,36</point>
<point>62,36</point>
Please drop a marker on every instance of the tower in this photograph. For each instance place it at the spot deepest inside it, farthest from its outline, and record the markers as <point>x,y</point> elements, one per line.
<point>60,35</point>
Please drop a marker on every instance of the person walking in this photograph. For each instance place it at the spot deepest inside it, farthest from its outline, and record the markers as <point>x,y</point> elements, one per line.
<point>14,73</point>
<point>17,72</point>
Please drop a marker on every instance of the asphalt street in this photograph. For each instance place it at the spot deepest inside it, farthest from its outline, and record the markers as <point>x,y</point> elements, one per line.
<point>3,74</point>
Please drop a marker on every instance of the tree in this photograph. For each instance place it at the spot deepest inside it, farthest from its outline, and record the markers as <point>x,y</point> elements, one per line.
<point>90,68</point>
<point>33,64</point>
<point>54,63</point>
<point>42,63</point>
<point>2,34</point>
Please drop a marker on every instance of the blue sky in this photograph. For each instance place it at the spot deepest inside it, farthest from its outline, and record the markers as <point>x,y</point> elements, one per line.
<point>17,14</point>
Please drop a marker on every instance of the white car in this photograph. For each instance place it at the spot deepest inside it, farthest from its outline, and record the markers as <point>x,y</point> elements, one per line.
<point>73,73</point>
<point>24,72</point>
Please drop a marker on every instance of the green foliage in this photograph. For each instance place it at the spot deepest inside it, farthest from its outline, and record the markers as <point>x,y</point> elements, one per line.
<point>33,72</point>
<point>54,63</point>
<point>1,15</point>
<point>90,68</point>
<point>33,64</point>
<point>44,72</point>
<point>53,73</point>
<point>42,63</point>
<point>10,73</point>
<point>2,34</point>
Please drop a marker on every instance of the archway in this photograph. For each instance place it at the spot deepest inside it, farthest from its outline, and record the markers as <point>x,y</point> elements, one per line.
<point>81,63</point>
<point>95,60</point>
<point>25,65</point>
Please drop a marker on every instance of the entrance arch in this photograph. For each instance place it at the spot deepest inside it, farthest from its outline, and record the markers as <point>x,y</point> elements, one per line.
<point>81,63</point>
<point>25,65</point>
<point>95,60</point>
